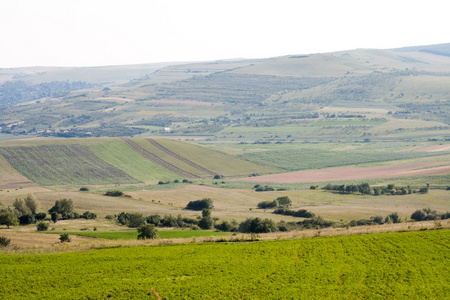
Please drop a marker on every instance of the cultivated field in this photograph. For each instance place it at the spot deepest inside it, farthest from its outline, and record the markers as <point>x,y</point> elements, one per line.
<point>400,265</point>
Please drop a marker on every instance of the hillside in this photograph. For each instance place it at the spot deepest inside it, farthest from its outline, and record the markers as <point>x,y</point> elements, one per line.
<point>355,95</point>
<point>115,161</point>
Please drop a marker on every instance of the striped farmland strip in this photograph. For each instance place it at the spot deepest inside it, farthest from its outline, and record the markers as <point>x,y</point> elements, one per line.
<point>192,164</point>
<point>158,160</point>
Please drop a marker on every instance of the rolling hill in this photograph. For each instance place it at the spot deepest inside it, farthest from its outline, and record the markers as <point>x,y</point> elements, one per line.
<point>116,161</point>
<point>362,94</point>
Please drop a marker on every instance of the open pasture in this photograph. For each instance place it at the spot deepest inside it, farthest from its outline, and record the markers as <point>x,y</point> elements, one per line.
<point>379,266</point>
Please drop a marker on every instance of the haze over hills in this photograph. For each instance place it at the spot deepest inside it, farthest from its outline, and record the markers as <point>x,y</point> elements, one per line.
<point>362,94</point>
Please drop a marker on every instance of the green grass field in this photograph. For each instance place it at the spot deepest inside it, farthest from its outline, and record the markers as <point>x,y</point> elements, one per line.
<point>379,266</point>
<point>117,153</point>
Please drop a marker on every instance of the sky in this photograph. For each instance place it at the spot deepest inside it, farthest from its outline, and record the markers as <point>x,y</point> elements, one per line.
<point>80,33</point>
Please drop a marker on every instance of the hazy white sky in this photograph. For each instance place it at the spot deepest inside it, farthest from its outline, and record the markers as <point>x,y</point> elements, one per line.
<point>114,32</point>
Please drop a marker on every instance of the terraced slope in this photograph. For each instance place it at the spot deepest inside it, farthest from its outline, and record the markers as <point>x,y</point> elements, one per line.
<point>62,165</point>
<point>119,154</point>
<point>167,151</point>
<point>158,160</point>
<point>214,161</point>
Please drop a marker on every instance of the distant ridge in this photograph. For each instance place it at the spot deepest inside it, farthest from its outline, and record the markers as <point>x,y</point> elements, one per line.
<point>438,49</point>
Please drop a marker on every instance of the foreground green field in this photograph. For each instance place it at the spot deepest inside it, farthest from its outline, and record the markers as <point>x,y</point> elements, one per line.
<point>379,266</point>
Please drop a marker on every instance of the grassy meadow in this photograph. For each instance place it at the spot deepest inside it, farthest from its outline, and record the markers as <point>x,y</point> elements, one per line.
<point>378,266</point>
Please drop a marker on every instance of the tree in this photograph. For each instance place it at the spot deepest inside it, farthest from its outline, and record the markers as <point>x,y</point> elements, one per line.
<point>418,215</point>
<point>200,204</point>
<point>257,225</point>
<point>64,207</point>
<point>284,201</point>
<point>27,219</point>
<point>267,204</point>
<point>8,218</point>
<point>32,204</point>
<point>55,217</point>
<point>20,207</point>
<point>206,222</point>
<point>147,231</point>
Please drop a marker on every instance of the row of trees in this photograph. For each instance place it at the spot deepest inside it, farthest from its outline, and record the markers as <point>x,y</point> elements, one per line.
<point>283,201</point>
<point>366,189</point>
<point>26,211</point>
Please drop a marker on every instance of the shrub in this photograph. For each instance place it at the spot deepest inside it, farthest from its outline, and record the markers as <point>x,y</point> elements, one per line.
<point>89,215</point>
<point>114,193</point>
<point>4,241</point>
<point>65,238</point>
<point>267,204</point>
<point>26,219</point>
<point>257,225</point>
<point>131,220</point>
<point>200,204</point>
<point>154,219</point>
<point>42,226</point>
<point>147,231</point>
<point>84,189</point>
<point>227,226</point>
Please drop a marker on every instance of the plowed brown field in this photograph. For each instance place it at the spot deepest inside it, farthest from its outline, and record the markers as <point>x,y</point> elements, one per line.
<point>353,173</point>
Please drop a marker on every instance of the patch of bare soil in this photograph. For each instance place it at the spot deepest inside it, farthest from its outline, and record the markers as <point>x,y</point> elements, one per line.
<point>352,173</point>
<point>14,180</point>
<point>435,148</point>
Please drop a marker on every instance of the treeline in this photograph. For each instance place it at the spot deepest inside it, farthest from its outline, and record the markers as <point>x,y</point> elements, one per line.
<point>14,92</point>
<point>26,211</point>
<point>366,189</point>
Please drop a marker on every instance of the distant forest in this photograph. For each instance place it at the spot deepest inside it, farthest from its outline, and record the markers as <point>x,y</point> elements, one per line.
<point>14,92</point>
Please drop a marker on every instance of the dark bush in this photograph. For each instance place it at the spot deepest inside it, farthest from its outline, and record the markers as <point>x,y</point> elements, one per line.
<point>42,226</point>
<point>114,193</point>
<point>131,220</point>
<point>200,204</point>
<point>147,231</point>
<point>26,220</point>
<point>65,238</point>
<point>89,215</point>
<point>4,241</point>
<point>257,225</point>
<point>64,207</point>
<point>84,189</point>
<point>227,226</point>
<point>40,216</point>
<point>267,204</point>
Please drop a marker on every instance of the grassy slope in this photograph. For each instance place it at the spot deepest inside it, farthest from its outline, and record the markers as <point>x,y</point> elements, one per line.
<point>117,153</point>
<point>381,266</point>
<point>63,164</point>
<point>213,160</point>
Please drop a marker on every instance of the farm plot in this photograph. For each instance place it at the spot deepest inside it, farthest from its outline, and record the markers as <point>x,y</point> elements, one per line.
<point>354,173</point>
<point>215,161</point>
<point>317,157</point>
<point>62,165</point>
<point>379,266</point>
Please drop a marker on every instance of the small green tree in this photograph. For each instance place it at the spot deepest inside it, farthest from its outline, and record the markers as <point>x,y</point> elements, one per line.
<point>20,208</point>
<point>147,231</point>
<point>32,204</point>
<point>284,201</point>
<point>206,222</point>
<point>64,207</point>
<point>55,217</point>
<point>8,218</point>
